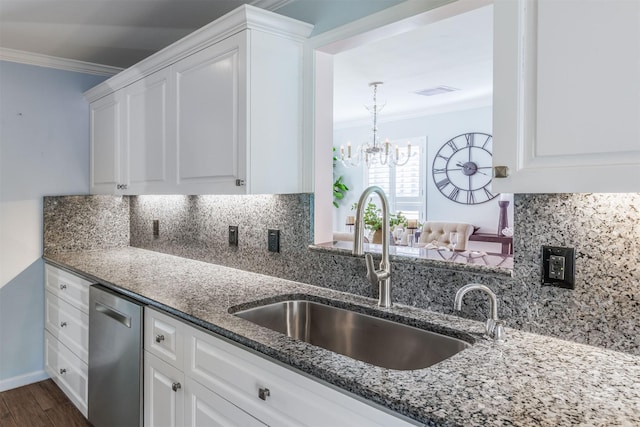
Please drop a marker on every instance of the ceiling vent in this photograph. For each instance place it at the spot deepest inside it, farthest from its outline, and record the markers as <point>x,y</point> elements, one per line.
<point>436,90</point>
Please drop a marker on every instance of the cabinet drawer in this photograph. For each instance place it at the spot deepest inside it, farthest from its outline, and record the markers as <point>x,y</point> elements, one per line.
<point>69,287</point>
<point>67,370</point>
<point>239,375</point>
<point>67,324</point>
<point>163,337</point>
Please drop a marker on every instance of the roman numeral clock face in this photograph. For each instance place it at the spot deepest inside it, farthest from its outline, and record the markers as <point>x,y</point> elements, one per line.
<point>462,168</point>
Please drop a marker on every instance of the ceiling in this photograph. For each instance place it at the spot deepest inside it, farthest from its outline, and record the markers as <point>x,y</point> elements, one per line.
<point>120,33</point>
<point>454,52</point>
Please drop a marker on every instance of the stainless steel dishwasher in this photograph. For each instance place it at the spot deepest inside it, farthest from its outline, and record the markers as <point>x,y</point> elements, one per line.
<point>115,359</point>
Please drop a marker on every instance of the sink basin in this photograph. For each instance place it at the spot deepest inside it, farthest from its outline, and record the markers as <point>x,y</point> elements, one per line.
<point>370,339</point>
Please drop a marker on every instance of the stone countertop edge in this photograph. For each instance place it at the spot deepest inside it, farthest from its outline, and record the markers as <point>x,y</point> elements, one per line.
<point>526,379</point>
<point>426,262</point>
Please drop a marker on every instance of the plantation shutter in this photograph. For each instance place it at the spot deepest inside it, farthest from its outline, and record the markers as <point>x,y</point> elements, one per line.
<point>403,185</point>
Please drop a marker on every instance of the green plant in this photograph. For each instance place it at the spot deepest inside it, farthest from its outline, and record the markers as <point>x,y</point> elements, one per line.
<point>397,219</point>
<point>372,217</point>
<point>339,190</point>
<point>339,187</point>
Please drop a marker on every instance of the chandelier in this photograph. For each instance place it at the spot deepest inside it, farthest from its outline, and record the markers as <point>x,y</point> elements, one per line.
<point>375,152</point>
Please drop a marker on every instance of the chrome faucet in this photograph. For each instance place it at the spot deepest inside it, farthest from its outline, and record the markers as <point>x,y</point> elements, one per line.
<point>381,277</point>
<point>494,327</point>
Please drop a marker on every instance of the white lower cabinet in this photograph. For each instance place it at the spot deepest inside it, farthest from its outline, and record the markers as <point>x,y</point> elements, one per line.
<point>171,398</point>
<point>164,396</point>
<point>66,338</point>
<point>203,407</point>
<point>67,371</point>
<point>222,383</point>
<point>67,324</point>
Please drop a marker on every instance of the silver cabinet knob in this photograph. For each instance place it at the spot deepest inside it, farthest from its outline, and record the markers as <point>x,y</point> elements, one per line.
<point>263,393</point>
<point>63,286</point>
<point>500,171</point>
<point>63,371</point>
<point>122,186</point>
<point>159,338</point>
<point>176,386</point>
<point>63,324</point>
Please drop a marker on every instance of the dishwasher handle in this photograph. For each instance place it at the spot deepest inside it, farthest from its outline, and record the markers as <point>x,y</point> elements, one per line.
<point>114,314</point>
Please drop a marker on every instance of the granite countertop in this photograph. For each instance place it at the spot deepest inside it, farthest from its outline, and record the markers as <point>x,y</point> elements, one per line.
<point>526,380</point>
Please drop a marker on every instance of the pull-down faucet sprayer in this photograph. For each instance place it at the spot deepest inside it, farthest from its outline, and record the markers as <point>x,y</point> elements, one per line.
<point>381,277</point>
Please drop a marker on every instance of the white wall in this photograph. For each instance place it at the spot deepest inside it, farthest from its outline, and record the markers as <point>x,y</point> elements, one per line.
<point>438,128</point>
<point>44,150</point>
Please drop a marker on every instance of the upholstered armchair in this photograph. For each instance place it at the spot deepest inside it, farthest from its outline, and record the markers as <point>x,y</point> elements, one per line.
<point>439,231</point>
<point>339,236</point>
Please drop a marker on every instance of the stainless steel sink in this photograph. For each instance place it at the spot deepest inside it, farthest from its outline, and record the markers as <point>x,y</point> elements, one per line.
<point>369,339</point>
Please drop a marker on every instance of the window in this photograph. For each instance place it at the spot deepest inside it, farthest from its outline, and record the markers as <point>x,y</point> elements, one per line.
<point>403,185</point>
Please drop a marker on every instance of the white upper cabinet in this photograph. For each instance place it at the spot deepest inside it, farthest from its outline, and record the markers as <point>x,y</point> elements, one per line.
<point>129,139</point>
<point>211,118</point>
<point>106,165</point>
<point>218,112</point>
<point>567,95</point>
<point>146,139</point>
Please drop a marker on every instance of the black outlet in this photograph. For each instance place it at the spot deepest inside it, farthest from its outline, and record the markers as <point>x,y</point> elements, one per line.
<point>558,266</point>
<point>233,235</point>
<point>273,242</point>
<point>156,228</point>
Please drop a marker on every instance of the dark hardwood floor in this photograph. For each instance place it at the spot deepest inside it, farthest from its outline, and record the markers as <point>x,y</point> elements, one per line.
<point>38,404</point>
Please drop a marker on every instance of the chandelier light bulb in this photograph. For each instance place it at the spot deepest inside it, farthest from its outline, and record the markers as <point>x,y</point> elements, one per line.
<point>375,152</point>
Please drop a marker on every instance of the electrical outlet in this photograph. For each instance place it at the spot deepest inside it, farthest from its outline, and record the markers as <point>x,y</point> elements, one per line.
<point>156,228</point>
<point>233,235</point>
<point>274,241</point>
<point>558,266</point>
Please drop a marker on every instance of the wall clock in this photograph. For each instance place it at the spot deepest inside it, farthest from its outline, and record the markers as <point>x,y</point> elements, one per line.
<point>462,168</point>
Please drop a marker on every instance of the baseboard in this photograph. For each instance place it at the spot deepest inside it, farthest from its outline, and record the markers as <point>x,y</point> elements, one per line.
<point>20,380</point>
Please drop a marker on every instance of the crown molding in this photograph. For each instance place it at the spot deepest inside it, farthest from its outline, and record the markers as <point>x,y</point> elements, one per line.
<point>270,4</point>
<point>243,18</point>
<point>41,60</point>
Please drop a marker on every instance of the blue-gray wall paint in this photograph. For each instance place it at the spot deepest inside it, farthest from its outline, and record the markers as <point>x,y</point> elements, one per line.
<point>22,324</point>
<point>44,149</point>
<point>328,14</point>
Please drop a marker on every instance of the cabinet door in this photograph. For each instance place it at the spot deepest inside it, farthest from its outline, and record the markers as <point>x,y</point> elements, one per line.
<point>146,143</point>
<point>203,407</point>
<point>211,118</point>
<point>164,394</point>
<point>567,95</point>
<point>106,165</point>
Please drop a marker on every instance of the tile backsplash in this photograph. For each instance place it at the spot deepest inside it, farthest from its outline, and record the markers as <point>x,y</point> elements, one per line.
<point>603,309</point>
